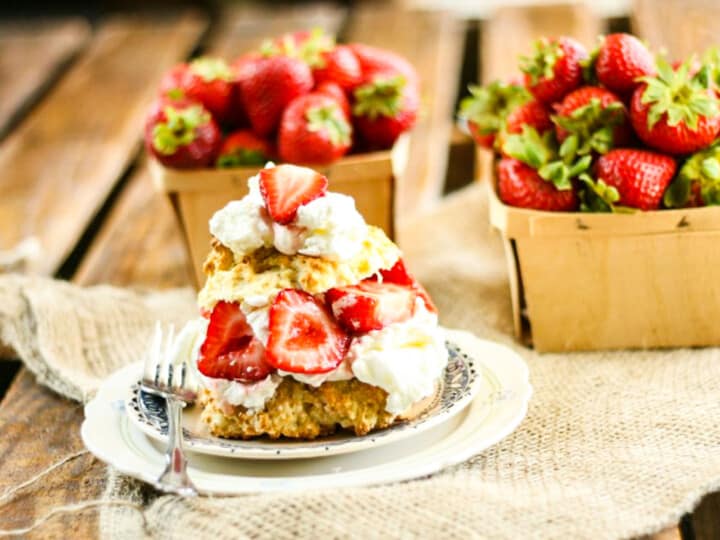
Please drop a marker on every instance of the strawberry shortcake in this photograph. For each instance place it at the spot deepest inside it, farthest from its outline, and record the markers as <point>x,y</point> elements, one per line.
<point>311,321</point>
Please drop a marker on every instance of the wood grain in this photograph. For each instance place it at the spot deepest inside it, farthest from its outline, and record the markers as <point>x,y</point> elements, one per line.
<point>39,428</point>
<point>682,27</point>
<point>433,43</point>
<point>63,161</point>
<point>31,57</point>
<point>139,243</point>
<point>511,30</point>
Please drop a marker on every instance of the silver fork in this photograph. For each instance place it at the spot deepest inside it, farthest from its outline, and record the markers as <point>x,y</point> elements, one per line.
<point>162,378</point>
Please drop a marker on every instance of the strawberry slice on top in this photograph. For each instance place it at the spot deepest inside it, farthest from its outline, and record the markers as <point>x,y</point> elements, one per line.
<point>230,350</point>
<point>304,338</point>
<point>286,188</point>
<point>371,305</point>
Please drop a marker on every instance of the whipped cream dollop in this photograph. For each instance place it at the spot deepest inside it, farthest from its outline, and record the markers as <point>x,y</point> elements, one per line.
<point>252,396</point>
<point>405,359</point>
<point>186,347</point>
<point>329,226</point>
<point>343,372</point>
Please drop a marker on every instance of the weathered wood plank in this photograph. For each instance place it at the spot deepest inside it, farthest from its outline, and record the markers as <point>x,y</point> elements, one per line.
<point>671,533</point>
<point>38,429</point>
<point>433,43</point>
<point>682,27</point>
<point>139,242</point>
<point>64,159</point>
<point>31,57</point>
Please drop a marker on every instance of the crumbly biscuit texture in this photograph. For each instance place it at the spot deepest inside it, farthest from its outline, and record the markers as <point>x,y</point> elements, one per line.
<point>265,272</point>
<point>301,411</point>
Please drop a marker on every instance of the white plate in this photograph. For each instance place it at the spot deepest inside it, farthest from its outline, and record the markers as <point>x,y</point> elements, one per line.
<point>500,405</point>
<point>460,384</point>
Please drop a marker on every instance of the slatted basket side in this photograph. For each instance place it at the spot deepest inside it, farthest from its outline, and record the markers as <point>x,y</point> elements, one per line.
<point>609,281</point>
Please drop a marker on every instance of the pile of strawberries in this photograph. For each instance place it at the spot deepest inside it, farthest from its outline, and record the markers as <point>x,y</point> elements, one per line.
<point>301,98</point>
<point>612,130</point>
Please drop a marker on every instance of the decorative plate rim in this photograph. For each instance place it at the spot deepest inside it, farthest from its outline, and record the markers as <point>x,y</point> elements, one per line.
<point>492,416</point>
<point>459,385</point>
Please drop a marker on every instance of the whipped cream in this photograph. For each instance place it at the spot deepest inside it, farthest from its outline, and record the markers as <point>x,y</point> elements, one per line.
<point>252,396</point>
<point>329,226</point>
<point>343,372</point>
<point>405,359</point>
<point>186,346</point>
<point>332,227</point>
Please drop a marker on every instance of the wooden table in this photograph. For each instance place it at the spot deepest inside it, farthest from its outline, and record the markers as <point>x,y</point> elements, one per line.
<point>72,99</point>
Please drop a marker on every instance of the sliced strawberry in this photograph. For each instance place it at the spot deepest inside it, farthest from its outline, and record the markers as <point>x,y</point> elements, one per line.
<point>230,350</point>
<point>371,305</point>
<point>400,275</point>
<point>285,188</point>
<point>304,338</point>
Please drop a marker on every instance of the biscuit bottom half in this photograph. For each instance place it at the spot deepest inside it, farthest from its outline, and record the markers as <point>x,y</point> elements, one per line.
<point>300,411</point>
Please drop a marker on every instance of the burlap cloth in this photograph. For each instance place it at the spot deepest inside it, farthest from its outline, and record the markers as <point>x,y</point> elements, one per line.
<point>614,444</point>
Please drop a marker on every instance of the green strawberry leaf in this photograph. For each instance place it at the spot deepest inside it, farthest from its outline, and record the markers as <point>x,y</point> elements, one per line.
<point>597,196</point>
<point>380,97</point>
<point>529,147</point>
<point>674,93</point>
<point>677,193</point>
<point>541,65</point>
<point>331,121</point>
<point>488,106</point>
<point>178,129</point>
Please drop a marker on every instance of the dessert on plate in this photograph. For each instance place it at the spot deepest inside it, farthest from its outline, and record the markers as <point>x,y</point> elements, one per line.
<point>311,322</point>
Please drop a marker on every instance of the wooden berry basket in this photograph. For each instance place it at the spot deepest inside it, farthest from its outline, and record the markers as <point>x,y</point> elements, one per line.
<point>197,194</point>
<point>612,281</point>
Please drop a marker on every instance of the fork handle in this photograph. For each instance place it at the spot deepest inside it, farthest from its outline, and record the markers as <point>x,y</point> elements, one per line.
<point>175,478</point>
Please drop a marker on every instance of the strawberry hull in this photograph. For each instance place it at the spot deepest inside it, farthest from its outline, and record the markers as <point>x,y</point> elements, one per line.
<point>197,194</point>
<point>637,281</point>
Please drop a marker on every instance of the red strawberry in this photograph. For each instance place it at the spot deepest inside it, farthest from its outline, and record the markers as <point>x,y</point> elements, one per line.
<point>555,68</point>
<point>304,338</point>
<point>487,107</point>
<point>400,275</point>
<point>673,112</point>
<point>207,80</point>
<point>230,350</point>
<point>375,59</point>
<point>596,116</point>
<point>243,148</point>
<point>371,305</point>
<point>338,94</point>
<point>385,106</point>
<point>287,187</point>
<point>639,176</point>
<point>314,130</point>
<point>621,59</point>
<point>241,68</point>
<point>181,134</point>
<point>267,85</point>
<point>521,185</point>
<point>338,65</point>
<point>532,113</point>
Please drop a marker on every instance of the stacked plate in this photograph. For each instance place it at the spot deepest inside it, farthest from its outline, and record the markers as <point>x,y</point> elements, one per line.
<point>483,397</point>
